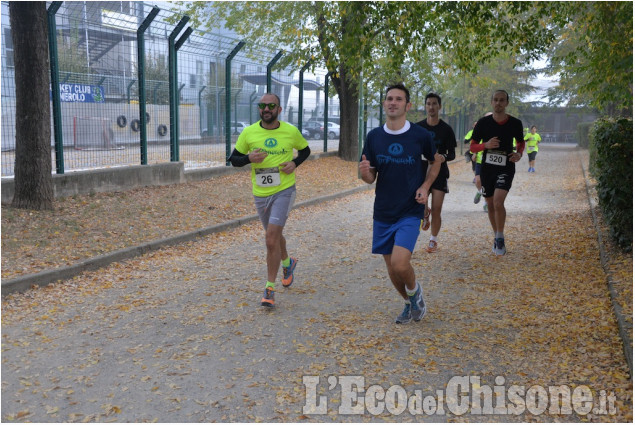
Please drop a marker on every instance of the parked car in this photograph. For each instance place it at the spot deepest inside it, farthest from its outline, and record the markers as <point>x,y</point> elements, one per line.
<point>314,129</point>
<point>236,128</point>
<point>333,130</point>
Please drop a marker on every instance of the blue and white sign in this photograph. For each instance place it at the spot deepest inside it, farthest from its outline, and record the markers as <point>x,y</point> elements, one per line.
<point>81,93</point>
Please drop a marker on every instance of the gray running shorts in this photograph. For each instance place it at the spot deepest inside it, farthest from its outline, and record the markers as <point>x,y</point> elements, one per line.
<point>275,209</point>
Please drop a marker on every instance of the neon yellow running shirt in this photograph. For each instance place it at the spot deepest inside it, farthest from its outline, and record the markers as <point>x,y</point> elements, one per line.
<point>532,141</point>
<point>267,177</point>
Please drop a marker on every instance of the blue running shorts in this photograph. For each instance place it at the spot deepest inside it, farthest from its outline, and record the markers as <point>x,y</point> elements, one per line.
<point>403,233</point>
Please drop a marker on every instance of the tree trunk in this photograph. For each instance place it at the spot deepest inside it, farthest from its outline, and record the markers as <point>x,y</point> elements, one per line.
<point>349,102</point>
<point>33,179</point>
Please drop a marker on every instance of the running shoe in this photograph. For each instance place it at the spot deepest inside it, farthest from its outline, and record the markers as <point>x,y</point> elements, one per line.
<point>477,197</point>
<point>432,247</point>
<point>485,207</point>
<point>425,223</point>
<point>500,246</point>
<point>529,171</point>
<point>267,299</point>
<point>417,305</point>
<point>533,170</point>
<point>287,273</point>
<point>405,316</point>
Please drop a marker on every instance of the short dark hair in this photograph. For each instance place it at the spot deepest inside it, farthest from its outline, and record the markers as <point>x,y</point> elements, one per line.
<point>401,87</point>
<point>501,91</point>
<point>436,96</point>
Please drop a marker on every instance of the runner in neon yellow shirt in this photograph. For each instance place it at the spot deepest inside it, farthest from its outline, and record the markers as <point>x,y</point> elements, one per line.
<point>267,177</point>
<point>533,139</point>
<point>268,146</point>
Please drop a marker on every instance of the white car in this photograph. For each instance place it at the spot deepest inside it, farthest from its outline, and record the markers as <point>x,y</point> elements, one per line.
<point>333,131</point>
<point>238,127</point>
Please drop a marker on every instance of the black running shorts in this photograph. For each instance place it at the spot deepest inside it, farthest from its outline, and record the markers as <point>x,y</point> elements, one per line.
<point>493,178</point>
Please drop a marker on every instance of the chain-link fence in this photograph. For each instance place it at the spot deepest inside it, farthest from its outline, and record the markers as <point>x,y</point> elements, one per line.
<point>99,111</point>
<point>216,82</point>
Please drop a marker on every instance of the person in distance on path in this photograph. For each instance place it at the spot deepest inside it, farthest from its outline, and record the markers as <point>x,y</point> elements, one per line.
<point>268,146</point>
<point>498,166</point>
<point>532,139</point>
<point>445,141</point>
<point>393,155</point>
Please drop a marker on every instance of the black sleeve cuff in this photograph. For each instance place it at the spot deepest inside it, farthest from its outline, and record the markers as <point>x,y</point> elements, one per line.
<point>238,159</point>
<point>302,156</point>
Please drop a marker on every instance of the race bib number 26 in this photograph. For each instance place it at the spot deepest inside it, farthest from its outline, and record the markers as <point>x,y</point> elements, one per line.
<point>268,177</point>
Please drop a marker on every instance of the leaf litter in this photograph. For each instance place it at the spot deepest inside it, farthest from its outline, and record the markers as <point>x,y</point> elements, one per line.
<point>177,334</point>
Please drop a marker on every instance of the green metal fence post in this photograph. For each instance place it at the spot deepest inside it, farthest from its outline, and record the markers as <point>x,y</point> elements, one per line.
<point>55,87</point>
<point>252,98</point>
<point>154,92</point>
<point>236,109</point>
<point>128,90</point>
<point>200,109</point>
<point>269,67</point>
<point>301,98</point>
<point>228,99</point>
<point>141,60</point>
<point>177,46</point>
<point>173,81</point>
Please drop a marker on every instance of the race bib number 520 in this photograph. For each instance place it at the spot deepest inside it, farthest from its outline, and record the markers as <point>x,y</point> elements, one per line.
<point>496,158</point>
<point>268,177</point>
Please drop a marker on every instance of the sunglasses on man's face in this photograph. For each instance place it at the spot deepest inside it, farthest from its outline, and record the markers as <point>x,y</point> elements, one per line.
<point>271,106</point>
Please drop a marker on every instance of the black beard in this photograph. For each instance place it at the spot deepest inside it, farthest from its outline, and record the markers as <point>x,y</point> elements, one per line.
<point>269,120</point>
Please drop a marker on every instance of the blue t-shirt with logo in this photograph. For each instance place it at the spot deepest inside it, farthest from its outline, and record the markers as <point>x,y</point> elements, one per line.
<point>398,157</point>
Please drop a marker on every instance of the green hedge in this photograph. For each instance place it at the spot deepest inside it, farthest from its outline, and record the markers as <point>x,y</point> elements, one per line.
<point>612,166</point>
<point>582,130</point>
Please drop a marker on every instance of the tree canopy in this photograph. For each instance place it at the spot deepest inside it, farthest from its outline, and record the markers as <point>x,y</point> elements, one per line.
<point>594,57</point>
<point>376,39</point>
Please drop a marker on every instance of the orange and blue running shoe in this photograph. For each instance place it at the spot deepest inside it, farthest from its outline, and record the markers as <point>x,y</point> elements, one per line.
<point>267,299</point>
<point>287,273</point>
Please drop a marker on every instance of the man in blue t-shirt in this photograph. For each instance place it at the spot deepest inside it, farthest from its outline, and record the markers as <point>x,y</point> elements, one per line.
<point>393,155</point>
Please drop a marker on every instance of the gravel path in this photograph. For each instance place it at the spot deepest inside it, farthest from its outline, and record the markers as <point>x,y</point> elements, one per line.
<point>178,335</point>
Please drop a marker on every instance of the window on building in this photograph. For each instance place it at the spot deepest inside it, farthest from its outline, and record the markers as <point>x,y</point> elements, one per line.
<point>8,48</point>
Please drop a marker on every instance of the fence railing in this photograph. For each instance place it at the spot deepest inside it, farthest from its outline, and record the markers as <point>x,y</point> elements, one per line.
<point>196,100</point>
<point>197,90</point>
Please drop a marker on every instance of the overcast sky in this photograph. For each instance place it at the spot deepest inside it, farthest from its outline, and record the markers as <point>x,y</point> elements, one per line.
<point>542,83</point>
